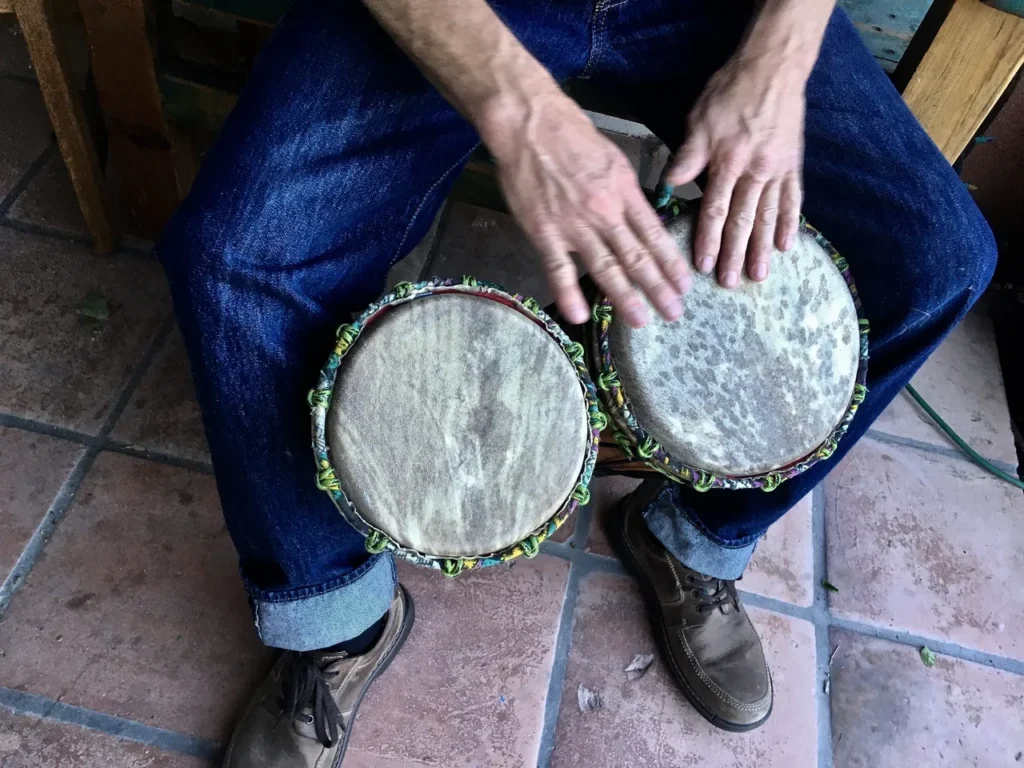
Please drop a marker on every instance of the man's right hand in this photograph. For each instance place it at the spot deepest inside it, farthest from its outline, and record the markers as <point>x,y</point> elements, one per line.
<point>573,190</point>
<point>570,187</point>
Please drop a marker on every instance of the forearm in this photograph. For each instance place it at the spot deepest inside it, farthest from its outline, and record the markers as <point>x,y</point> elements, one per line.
<point>785,36</point>
<point>469,54</point>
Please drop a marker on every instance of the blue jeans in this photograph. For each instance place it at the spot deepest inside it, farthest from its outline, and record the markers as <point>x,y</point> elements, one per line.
<point>332,167</point>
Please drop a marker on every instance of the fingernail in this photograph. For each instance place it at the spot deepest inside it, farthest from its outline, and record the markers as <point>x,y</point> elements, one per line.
<point>760,271</point>
<point>729,279</point>
<point>673,310</point>
<point>787,243</point>
<point>706,264</point>
<point>637,315</point>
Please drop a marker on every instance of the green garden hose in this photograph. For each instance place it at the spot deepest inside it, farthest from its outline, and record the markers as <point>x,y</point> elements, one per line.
<point>977,458</point>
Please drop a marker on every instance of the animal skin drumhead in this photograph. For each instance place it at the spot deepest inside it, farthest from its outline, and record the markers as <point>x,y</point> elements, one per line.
<point>457,425</point>
<point>749,379</point>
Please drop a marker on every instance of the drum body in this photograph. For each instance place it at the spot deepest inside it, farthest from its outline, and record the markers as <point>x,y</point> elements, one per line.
<point>752,386</point>
<point>455,425</point>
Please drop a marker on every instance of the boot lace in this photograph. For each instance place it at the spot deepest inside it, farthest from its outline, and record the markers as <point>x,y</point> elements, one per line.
<point>712,593</point>
<point>304,687</point>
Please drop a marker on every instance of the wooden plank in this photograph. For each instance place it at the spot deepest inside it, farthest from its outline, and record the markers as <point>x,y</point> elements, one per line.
<point>53,71</point>
<point>140,147</point>
<point>886,26</point>
<point>972,60</point>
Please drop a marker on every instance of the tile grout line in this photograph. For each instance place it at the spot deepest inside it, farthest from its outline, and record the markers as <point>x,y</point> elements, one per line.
<point>822,636</point>
<point>33,170</point>
<point>62,501</point>
<point>113,445</point>
<point>939,450</point>
<point>49,430</point>
<point>941,647</point>
<point>16,78</point>
<point>75,238</point>
<point>37,541</point>
<point>145,361</point>
<point>556,678</point>
<point>22,703</point>
<point>563,641</point>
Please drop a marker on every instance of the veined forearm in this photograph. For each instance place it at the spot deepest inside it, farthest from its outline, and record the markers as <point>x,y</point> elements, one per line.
<point>468,53</point>
<point>787,34</point>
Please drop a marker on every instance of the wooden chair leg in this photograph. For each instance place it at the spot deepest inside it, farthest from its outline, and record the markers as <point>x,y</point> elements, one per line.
<point>49,58</point>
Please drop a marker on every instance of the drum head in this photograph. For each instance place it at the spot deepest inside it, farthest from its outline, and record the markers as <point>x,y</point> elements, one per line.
<point>457,425</point>
<point>750,379</point>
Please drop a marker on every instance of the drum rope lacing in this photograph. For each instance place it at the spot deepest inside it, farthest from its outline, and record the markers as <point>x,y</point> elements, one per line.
<point>319,400</point>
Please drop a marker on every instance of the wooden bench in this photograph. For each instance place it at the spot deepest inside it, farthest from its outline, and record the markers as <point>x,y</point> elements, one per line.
<point>952,59</point>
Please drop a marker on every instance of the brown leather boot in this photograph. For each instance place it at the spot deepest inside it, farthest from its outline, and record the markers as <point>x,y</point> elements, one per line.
<point>301,717</point>
<point>702,629</point>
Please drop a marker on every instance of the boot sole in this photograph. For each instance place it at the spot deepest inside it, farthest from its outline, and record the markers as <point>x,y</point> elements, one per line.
<point>403,635</point>
<point>617,538</point>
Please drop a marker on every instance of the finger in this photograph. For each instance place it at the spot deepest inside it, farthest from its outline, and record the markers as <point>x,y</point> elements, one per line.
<point>714,210</point>
<point>643,271</point>
<point>562,276</point>
<point>759,253</point>
<point>736,233</point>
<point>689,161</point>
<point>661,245</point>
<point>789,212</point>
<point>608,274</point>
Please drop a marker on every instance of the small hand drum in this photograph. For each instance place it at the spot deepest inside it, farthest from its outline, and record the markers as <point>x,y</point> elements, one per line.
<point>455,425</point>
<point>751,387</point>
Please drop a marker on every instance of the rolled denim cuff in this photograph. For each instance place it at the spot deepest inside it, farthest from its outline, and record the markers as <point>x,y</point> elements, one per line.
<point>669,520</point>
<point>318,617</point>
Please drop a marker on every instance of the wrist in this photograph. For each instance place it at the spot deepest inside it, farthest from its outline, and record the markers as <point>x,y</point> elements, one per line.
<point>504,115</point>
<point>784,40</point>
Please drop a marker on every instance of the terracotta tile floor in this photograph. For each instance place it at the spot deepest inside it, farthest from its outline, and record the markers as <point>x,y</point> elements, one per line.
<point>125,639</point>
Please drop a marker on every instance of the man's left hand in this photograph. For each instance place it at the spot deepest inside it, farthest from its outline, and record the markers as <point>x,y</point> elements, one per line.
<point>747,129</point>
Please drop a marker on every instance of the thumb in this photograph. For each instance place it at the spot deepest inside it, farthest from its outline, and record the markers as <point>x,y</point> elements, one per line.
<point>689,161</point>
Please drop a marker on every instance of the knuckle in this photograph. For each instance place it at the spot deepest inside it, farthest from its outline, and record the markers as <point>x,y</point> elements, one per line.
<point>733,160</point>
<point>742,219</point>
<point>761,167</point>
<point>716,211</point>
<point>633,259</point>
<point>602,266</point>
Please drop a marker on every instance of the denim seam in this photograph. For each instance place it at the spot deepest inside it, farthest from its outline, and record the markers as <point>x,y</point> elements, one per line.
<point>598,19</point>
<point>415,214</point>
<point>302,593</point>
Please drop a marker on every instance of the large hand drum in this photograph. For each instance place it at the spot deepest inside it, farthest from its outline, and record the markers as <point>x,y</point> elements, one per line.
<point>455,425</point>
<point>752,386</point>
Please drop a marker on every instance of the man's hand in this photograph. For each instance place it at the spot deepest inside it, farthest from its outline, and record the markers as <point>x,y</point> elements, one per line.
<point>748,132</point>
<point>747,129</point>
<point>573,190</point>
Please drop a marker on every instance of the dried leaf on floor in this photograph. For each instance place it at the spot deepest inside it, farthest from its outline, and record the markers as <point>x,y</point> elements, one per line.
<point>638,666</point>
<point>95,307</point>
<point>589,701</point>
<point>927,657</point>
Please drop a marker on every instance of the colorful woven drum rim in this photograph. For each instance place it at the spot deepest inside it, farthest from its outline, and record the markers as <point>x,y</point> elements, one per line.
<point>636,442</point>
<point>320,401</point>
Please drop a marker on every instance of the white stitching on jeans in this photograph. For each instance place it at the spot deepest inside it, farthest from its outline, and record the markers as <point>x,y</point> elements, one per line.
<point>416,213</point>
<point>600,11</point>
